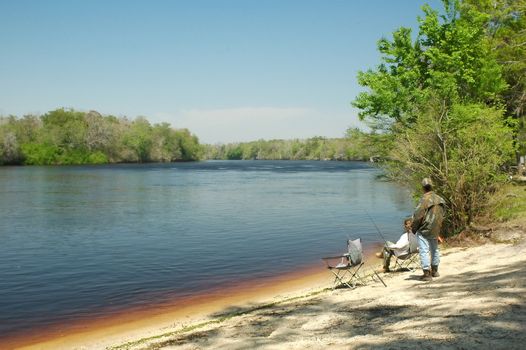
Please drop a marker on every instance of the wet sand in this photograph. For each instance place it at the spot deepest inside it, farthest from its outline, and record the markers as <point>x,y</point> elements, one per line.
<point>104,331</point>
<point>477,302</point>
<point>179,312</point>
<point>186,310</point>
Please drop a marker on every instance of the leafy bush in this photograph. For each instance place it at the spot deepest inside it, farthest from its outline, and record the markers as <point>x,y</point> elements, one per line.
<point>439,97</point>
<point>39,154</point>
<point>97,158</point>
<point>463,151</point>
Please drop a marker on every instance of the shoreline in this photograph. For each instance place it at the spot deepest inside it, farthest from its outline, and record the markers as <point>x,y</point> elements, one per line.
<point>476,303</point>
<point>184,310</point>
<point>179,311</point>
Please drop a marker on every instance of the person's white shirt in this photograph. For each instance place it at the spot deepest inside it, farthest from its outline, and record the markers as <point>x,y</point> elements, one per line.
<point>401,247</point>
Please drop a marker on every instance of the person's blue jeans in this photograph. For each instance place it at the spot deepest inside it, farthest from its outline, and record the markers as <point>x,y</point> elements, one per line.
<point>428,247</point>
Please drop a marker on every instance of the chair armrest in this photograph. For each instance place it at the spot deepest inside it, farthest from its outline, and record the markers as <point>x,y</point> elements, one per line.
<point>341,264</point>
<point>335,257</point>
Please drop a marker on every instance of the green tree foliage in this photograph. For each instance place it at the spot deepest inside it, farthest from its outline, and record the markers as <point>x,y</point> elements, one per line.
<point>235,152</point>
<point>506,31</point>
<point>138,138</point>
<point>40,154</point>
<point>100,132</point>
<point>357,145</point>
<point>164,146</point>
<point>10,152</point>
<point>450,58</point>
<point>188,145</point>
<point>66,136</point>
<point>437,101</point>
<point>461,150</point>
<point>64,131</point>
<point>371,145</point>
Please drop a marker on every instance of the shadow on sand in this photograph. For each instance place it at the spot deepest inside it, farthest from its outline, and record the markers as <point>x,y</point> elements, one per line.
<point>499,315</point>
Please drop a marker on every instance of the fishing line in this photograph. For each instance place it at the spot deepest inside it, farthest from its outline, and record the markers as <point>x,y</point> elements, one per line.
<point>377,229</point>
<point>336,223</point>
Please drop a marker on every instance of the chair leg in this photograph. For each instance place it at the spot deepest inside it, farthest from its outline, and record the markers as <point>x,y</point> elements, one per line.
<point>410,264</point>
<point>338,279</point>
<point>356,275</point>
<point>348,283</point>
<point>380,278</point>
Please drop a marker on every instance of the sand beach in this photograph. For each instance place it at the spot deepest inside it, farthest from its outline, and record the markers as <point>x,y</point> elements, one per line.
<point>478,302</point>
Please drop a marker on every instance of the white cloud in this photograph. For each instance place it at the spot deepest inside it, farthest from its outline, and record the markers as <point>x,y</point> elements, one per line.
<point>252,123</point>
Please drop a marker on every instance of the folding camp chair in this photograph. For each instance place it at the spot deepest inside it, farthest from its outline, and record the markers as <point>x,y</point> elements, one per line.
<point>411,260</point>
<point>346,271</point>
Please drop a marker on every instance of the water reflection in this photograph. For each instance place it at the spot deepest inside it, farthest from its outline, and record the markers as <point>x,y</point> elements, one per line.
<point>89,239</point>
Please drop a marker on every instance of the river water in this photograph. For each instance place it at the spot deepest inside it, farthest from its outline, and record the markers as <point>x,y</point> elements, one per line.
<point>82,241</point>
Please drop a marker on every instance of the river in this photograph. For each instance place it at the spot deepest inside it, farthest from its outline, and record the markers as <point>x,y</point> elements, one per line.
<point>83,241</point>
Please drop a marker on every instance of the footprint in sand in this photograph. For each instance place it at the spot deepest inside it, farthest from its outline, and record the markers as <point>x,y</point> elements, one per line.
<point>322,322</point>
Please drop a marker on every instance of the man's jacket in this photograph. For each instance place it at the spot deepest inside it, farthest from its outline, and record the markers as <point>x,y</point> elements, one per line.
<point>429,215</point>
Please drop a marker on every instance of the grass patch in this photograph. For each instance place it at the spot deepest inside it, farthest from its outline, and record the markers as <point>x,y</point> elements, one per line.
<point>508,203</point>
<point>506,206</point>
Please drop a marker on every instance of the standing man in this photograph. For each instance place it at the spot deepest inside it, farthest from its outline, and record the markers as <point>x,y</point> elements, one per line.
<point>427,223</point>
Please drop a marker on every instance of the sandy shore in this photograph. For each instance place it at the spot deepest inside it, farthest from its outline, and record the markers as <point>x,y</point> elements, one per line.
<point>478,302</point>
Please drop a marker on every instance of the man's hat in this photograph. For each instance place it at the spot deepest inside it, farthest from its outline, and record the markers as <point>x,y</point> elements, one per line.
<point>426,182</point>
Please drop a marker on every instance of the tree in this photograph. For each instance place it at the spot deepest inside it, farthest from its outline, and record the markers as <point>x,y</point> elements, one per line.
<point>165,147</point>
<point>235,152</point>
<point>316,148</point>
<point>506,30</point>
<point>65,128</point>
<point>188,144</point>
<point>437,101</point>
<point>99,132</point>
<point>10,152</point>
<point>66,136</point>
<point>450,59</point>
<point>63,132</point>
<point>462,150</point>
<point>364,146</point>
<point>138,138</point>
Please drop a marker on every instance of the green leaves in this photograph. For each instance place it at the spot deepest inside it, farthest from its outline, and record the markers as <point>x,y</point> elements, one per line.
<point>450,58</point>
<point>71,137</point>
<point>357,145</point>
<point>506,33</point>
<point>137,137</point>
<point>462,149</point>
<point>439,98</point>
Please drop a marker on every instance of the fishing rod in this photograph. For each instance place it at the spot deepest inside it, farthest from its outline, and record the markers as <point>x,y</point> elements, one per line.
<point>371,219</point>
<point>338,225</point>
<point>377,229</point>
<point>385,241</point>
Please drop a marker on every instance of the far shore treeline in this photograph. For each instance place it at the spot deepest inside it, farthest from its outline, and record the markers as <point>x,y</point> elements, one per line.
<point>356,145</point>
<point>447,102</point>
<point>65,136</point>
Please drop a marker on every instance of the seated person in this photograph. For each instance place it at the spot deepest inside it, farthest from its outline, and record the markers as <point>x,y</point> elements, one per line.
<point>401,247</point>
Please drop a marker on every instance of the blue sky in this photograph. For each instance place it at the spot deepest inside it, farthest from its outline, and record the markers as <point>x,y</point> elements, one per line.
<point>229,70</point>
